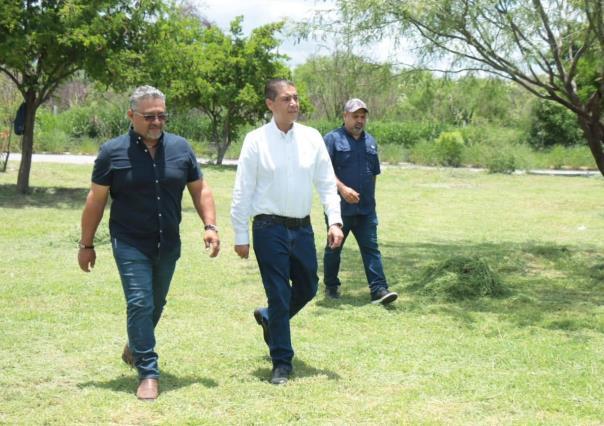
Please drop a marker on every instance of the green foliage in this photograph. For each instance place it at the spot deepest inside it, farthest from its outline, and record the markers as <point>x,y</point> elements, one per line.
<point>460,278</point>
<point>42,44</point>
<point>406,134</point>
<point>332,80</point>
<point>191,124</point>
<point>393,154</point>
<point>493,147</point>
<point>491,135</point>
<point>554,50</point>
<point>424,153</point>
<point>221,74</point>
<point>449,148</point>
<point>502,163</point>
<point>552,124</point>
<point>457,102</point>
<point>324,126</point>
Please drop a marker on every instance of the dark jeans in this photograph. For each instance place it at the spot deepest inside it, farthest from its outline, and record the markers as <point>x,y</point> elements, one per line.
<point>285,254</point>
<point>145,282</point>
<point>364,229</point>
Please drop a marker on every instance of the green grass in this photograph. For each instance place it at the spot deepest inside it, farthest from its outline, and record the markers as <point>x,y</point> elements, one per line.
<point>535,356</point>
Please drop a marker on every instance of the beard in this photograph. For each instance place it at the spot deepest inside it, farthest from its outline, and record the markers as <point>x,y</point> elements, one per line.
<point>154,133</point>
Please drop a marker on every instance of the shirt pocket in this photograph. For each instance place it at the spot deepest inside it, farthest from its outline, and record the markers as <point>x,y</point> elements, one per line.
<point>175,173</point>
<point>343,155</point>
<point>371,154</point>
<point>122,176</point>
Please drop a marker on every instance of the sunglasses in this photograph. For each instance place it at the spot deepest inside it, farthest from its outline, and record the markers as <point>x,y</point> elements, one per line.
<point>162,116</point>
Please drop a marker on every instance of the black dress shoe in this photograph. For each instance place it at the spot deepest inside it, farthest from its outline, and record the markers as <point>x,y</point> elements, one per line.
<point>332,292</point>
<point>280,375</point>
<point>262,323</point>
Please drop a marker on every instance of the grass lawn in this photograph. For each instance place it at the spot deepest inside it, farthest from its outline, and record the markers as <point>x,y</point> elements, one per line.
<point>535,356</point>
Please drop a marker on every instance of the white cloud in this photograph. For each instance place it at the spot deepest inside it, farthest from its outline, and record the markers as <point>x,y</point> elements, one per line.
<point>260,12</point>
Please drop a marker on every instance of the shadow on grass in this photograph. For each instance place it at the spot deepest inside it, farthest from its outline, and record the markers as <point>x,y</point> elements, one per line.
<point>168,382</point>
<point>558,287</point>
<point>301,370</point>
<point>54,197</point>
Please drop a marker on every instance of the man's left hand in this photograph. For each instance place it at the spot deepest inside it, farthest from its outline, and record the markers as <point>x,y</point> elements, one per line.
<point>335,236</point>
<point>212,242</point>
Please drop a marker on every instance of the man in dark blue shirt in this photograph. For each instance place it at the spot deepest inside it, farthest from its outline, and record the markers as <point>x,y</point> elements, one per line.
<point>355,161</point>
<point>145,172</point>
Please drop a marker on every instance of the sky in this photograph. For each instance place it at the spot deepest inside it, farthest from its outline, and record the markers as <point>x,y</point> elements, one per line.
<point>260,12</point>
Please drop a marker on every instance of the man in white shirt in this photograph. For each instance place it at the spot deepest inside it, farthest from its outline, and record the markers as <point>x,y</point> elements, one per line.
<point>279,164</point>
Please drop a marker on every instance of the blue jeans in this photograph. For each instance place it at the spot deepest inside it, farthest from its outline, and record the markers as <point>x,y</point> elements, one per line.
<point>285,254</point>
<point>364,229</point>
<point>145,282</point>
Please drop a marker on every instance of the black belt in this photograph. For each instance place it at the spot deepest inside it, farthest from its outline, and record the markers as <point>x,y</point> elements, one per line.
<point>288,222</point>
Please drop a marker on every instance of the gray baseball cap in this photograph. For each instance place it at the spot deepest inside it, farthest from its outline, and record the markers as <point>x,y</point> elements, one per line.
<point>355,104</point>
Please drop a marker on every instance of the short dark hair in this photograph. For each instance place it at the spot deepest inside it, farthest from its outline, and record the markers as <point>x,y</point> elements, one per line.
<point>270,90</point>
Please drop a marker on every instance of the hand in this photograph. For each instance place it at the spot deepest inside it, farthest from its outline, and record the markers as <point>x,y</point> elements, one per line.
<point>212,242</point>
<point>350,195</point>
<point>335,236</point>
<point>243,250</point>
<point>86,259</point>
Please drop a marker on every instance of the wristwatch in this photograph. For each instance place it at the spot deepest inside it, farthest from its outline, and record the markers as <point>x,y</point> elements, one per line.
<point>84,246</point>
<point>211,227</point>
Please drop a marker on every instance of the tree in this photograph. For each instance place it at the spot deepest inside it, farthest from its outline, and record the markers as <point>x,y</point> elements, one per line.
<point>222,75</point>
<point>332,80</point>
<point>43,43</point>
<point>552,48</point>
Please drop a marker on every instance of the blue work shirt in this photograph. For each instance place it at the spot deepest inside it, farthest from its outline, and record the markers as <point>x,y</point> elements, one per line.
<point>356,163</point>
<point>146,192</point>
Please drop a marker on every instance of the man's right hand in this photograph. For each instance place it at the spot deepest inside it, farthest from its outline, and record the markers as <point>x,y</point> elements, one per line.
<point>349,195</point>
<point>243,250</point>
<point>86,259</point>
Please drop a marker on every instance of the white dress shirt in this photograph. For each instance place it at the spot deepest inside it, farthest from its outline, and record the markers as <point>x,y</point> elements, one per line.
<point>275,175</point>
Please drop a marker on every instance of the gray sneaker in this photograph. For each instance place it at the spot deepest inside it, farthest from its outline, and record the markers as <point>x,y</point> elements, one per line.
<point>383,296</point>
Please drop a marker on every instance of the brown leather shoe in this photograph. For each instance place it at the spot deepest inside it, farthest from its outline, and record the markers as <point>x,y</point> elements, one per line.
<point>127,356</point>
<point>148,389</point>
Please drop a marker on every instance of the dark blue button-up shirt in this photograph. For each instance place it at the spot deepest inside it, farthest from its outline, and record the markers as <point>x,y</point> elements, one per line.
<point>356,163</point>
<point>146,192</point>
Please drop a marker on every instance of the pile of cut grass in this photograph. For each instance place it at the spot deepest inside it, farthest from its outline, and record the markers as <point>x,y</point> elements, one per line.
<point>460,278</point>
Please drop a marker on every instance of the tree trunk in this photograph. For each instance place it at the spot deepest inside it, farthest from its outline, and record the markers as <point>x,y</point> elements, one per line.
<point>27,145</point>
<point>223,145</point>
<point>594,133</point>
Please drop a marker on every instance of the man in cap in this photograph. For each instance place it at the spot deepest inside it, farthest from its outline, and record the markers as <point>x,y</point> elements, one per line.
<point>356,164</point>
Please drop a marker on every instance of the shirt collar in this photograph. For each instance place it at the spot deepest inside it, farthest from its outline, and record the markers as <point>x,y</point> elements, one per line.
<point>277,130</point>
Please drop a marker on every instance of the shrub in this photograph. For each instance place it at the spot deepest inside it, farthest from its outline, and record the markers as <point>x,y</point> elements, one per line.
<point>424,153</point>
<point>393,154</point>
<point>449,148</point>
<point>406,134</point>
<point>324,126</point>
<point>190,124</point>
<point>552,124</point>
<point>491,135</point>
<point>502,163</point>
